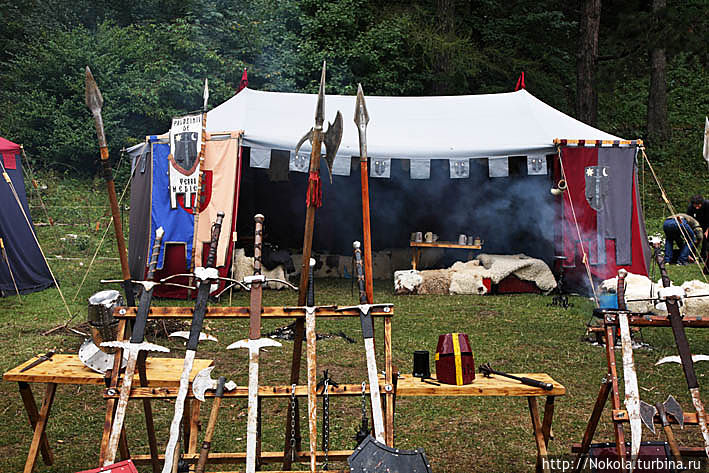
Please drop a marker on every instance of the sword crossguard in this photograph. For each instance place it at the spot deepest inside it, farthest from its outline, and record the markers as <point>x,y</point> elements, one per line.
<point>254,344</point>
<point>135,347</point>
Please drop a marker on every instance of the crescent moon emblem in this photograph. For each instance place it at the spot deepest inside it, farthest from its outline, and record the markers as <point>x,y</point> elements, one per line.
<point>605,172</point>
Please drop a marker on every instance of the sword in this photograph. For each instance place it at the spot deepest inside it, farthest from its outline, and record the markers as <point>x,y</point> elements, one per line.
<point>310,352</point>
<point>671,295</point>
<point>254,343</point>
<point>365,317</point>
<point>40,359</point>
<point>361,118</point>
<point>632,394</point>
<point>94,101</point>
<point>131,350</point>
<point>206,275</point>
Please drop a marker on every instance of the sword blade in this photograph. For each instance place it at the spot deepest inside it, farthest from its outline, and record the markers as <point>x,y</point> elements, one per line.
<point>632,395</point>
<point>117,426</point>
<point>179,411</point>
<point>372,374</point>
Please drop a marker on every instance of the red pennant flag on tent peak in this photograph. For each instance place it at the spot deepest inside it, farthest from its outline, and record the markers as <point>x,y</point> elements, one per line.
<point>244,81</point>
<point>520,82</point>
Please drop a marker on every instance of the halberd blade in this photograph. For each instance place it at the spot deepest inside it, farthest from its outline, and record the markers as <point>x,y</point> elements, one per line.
<point>94,99</point>
<point>308,136</point>
<point>332,140</point>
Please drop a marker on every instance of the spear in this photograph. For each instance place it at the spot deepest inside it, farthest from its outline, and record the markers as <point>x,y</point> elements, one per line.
<point>361,118</point>
<point>94,101</point>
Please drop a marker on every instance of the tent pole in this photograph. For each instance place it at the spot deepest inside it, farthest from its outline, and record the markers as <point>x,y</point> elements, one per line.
<point>7,261</point>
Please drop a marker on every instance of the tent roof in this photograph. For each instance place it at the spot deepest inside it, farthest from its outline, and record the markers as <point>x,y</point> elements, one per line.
<point>466,126</point>
<point>7,145</point>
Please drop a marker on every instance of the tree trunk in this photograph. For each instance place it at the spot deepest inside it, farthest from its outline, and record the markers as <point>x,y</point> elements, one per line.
<point>587,58</point>
<point>445,19</point>
<point>657,125</point>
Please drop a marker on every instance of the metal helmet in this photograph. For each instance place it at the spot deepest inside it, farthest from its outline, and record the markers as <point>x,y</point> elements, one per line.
<point>104,326</point>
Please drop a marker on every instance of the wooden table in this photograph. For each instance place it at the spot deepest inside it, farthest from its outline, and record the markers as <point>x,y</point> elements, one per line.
<point>68,369</point>
<point>418,247</point>
<point>407,385</point>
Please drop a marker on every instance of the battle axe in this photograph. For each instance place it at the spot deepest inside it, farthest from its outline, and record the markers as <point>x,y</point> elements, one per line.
<point>670,406</point>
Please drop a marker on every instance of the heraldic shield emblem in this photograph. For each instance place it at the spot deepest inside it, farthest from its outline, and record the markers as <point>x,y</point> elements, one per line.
<point>185,142</point>
<point>596,186</point>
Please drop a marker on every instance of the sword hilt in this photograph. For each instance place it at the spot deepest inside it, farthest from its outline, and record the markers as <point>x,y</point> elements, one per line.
<point>214,241</point>
<point>200,307</point>
<point>359,266</point>
<point>258,243</point>
<point>140,322</point>
<point>620,289</point>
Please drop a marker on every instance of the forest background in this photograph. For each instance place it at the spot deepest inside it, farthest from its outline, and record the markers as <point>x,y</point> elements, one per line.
<point>636,69</point>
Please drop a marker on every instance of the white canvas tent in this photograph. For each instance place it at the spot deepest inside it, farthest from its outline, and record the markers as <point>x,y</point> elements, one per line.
<point>467,126</point>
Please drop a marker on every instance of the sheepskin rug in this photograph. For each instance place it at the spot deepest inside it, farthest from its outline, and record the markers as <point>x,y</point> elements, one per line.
<point>640,287</point>
<point>244,266</point>
<point>467,277</point>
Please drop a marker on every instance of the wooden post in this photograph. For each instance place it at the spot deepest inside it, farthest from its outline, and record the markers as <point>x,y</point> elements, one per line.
<point>593,421</point>
<point>538,435</point>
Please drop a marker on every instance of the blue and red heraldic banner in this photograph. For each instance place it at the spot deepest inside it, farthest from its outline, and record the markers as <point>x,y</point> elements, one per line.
<point>601,213</point>
<point>174,190</point>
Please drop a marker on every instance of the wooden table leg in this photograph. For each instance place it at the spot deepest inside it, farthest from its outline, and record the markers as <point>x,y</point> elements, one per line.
<point>593,422</point>
<point>39,430</point>
<point>548,415</point>
<point>149,423</point>
<point>33,414</point>
<point>542,465</point>
<point>389,384</point>
<point>123,445</point>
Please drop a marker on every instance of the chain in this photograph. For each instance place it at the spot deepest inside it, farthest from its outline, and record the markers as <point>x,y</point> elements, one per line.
<point>326,422</point>
<point>364,428</point>
<point>364,401</point>
<point>292,422</point>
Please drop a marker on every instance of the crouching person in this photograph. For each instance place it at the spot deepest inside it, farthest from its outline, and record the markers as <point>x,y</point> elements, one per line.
<point>686,233</point>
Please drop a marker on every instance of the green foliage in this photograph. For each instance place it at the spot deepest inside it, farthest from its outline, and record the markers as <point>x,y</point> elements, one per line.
<point>150,59</point>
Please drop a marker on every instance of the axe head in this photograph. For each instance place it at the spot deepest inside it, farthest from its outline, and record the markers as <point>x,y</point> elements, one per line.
<point>332,139</point>
<point>673,408</point>
<point>647,415</point>
<point>308,136</point>
<point>202,382</point>
<point>94,99</point>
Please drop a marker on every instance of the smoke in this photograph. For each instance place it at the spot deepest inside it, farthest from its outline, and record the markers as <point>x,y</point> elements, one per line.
<point>515,214</point>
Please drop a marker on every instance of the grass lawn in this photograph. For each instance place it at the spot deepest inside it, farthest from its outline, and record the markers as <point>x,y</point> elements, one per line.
<point>515,333</point>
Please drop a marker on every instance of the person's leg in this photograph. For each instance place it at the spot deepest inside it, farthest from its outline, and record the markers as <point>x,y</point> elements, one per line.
<point>683,257</point>
<point>669,227</point>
